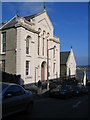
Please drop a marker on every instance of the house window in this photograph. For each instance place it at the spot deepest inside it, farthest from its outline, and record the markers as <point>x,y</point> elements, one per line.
<point>54,53</point>
<point>53,67</point>
<point>3,65</point>
<point>43,47</point>
<point>28,45</point>
<point>38,45</point>
<point>4,42</point>
<point>27,67</point>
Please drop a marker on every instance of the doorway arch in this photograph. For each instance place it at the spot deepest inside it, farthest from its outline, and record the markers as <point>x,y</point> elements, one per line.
<point>43,69</point>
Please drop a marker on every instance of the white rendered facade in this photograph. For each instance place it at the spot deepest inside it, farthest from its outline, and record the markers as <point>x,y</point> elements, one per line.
<point>32,65</point>
<point>71,64</point>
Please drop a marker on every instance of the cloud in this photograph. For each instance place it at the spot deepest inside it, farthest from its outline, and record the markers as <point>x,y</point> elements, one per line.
<point>30,8</point>
<point>26,8</point>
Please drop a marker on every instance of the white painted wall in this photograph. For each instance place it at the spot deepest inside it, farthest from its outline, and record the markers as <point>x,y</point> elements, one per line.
<point>71,64</point>
<point>41,21</point>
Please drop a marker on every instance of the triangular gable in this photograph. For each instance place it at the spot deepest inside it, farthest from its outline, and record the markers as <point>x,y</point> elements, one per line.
<point>71,52</point>
<point>44,19</point>
<point>38,14</point>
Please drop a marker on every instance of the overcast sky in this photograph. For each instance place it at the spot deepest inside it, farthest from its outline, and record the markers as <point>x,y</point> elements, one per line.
<point>70,21</point>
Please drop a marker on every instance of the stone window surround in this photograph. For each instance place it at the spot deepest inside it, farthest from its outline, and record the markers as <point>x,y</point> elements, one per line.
<point>3,52</point>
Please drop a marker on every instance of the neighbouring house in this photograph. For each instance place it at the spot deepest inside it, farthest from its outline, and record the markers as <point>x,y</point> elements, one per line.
<point>25,44</point>
<point>67,64</point>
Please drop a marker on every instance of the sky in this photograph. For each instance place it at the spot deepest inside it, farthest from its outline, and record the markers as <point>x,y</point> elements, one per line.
<point>70,21</point>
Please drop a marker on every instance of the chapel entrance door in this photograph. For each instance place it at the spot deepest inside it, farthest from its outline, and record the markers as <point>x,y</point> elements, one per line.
<point>43,71</point>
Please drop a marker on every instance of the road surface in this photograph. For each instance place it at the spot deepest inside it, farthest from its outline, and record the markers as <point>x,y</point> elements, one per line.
<point>56,108</point>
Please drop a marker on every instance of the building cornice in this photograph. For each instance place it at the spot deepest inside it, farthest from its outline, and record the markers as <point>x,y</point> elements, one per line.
<point>26,27</point>
<point>55,40</point>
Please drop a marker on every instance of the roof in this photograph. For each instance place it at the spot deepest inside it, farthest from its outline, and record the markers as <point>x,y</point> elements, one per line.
<point>13,21</point>
<point>64,56</point>
<point>10,24</point>
<point>1,24</point>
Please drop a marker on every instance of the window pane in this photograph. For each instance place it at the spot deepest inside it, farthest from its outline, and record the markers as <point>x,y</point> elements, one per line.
<point>38,44</point>
<point>43,47</point>
<point>15,90</point>
<point>3,86</point>
<point>27,67</point>
<point>4,42</point>
<point>3,65</point>
<point>27,46</point>
<point>54,68</point>
<point>54,53</point>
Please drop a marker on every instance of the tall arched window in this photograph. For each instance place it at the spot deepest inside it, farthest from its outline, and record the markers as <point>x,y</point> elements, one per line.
<point>43,39</point>
<point>43,46</point>
<point>39,30</point>
<point>54,53</point>
<point>38,45</point>
<point>28,45</point>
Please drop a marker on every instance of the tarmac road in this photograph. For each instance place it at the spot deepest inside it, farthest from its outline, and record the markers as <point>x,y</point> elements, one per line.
<point>44,108</point>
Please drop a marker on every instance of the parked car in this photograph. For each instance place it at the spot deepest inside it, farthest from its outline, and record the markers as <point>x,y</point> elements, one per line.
<point>77,90</point>
<point>62,91</point>
<point>55,91</point>
<point>80,90</point>
<point>15,99</point>
<point>84,89</point>
<point>66,91</point>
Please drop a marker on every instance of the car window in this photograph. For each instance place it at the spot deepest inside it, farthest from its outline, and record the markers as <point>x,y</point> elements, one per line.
<point>4,86</point>
<point>15,90</point>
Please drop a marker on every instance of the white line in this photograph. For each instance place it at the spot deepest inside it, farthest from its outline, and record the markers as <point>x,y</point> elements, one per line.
<point>77,104</point>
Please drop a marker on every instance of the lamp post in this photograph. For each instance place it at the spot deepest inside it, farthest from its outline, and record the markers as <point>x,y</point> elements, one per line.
<point>48,64</point>
<point>35,74</point>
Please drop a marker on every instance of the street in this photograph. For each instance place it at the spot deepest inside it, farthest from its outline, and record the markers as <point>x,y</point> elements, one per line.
<point>76,107</point>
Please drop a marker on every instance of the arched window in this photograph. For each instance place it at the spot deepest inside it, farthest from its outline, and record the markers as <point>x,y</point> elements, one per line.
<point>43,39</point>
<point>39,30</point>
<point>38,45</point>
<point>43,46</point>
<point>54,53</point>
<point>53,68</point>
<point>28,45</point>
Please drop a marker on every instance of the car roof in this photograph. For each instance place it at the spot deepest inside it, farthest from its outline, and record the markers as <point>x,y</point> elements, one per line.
<point>7,83</point>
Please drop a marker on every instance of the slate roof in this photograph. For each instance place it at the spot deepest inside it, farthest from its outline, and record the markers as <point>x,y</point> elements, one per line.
<point>10,24</point>
<point>63,57</point>
<point>13,22</point>
<point>1,24</point>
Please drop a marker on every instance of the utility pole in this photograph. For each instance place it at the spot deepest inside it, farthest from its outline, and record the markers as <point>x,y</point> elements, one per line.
<point>47,67</point>
<point>48,64</point>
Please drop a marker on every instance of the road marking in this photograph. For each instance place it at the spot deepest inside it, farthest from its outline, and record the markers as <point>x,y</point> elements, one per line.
<point>77,104</point>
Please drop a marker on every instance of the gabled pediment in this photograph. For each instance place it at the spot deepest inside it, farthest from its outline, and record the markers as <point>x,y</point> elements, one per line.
<point>44,23</point>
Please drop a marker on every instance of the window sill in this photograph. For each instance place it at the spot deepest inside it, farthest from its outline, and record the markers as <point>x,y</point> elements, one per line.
<point>27,55</point>
<point>28,77</point>
<point>3,53</point>
<point>42,57</point>
<point>54,59</point>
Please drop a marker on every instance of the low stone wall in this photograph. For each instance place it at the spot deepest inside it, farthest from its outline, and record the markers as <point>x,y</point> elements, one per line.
<point>10,78</point>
